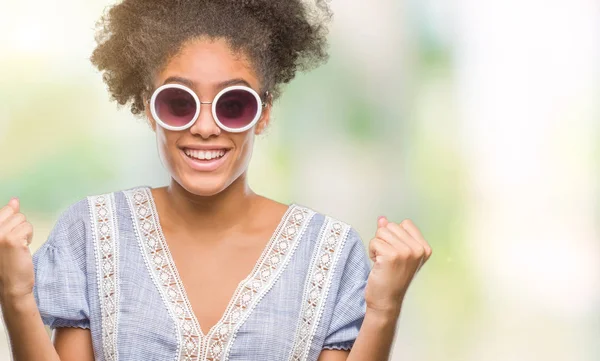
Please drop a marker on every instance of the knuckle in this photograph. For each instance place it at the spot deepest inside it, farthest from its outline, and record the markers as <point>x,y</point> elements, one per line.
<point>419,252</point>
<point>393,227</point>
<point>378,242</point>
<point>21,217</point>
<point>373,243</point>
<point>381,233</point>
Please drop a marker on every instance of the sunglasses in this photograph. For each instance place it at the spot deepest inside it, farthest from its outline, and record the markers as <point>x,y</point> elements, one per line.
<point>235,109</point>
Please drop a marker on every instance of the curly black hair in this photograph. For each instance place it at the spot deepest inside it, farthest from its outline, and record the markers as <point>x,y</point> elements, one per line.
<point>136,38</point>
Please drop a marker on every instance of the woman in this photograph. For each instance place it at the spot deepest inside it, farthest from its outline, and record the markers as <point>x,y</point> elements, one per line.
<point>204,268</point>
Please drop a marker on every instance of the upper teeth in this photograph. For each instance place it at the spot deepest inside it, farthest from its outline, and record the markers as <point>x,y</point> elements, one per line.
<point>205,154</point>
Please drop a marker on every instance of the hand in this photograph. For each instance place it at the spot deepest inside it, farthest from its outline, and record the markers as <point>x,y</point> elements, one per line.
<point>399,251</point>
<point>16,263</point>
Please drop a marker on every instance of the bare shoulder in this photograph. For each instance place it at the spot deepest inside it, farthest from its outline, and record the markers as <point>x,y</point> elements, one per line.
<point>270,209</point>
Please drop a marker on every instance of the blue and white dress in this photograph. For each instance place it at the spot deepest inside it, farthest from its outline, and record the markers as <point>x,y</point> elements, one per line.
<point>106,267</point>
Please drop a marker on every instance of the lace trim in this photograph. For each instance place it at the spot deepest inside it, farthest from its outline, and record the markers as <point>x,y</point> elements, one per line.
<point>159,262</point>
<point>106,252</point>
<point>194,346</point>
<point>267,271</point>
<point>321,271</point>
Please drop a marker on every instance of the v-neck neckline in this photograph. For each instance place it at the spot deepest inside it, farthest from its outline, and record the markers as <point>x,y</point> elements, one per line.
<point>193,345</point>
<point>241,284</point>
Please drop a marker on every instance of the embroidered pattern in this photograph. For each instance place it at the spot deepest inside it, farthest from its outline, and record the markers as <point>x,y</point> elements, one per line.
<point>159,262</point>
<point>106,252</point>
<point>320,274</point>
<point>268,269</point>
<point>194,345</point>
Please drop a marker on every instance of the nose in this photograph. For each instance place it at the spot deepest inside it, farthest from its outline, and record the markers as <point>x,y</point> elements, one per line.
<point>205,126</point>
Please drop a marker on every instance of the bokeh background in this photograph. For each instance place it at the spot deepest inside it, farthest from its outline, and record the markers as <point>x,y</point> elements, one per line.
<point>477,119</point>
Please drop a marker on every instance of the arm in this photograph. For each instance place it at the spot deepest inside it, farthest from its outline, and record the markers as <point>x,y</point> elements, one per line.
<point>26,332</point>
<point>374,340</point>
<point>333,355</point>
<point>29,340</point>
<point>22,316</point>
<point>398,252</point>
<point>73,344</point>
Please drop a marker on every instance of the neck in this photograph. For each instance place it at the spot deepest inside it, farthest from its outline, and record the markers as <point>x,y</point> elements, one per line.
<point>222,211</point>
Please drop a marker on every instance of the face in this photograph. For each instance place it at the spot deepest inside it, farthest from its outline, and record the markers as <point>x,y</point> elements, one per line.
<point>207,67</point>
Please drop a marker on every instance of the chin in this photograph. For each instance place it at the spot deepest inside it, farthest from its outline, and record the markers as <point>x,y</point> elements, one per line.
<point>203,186</point>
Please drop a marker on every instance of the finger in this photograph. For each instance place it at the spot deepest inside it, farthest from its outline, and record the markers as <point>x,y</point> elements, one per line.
<point>23,231</point>
<point>6,212</point>
<point>415,249</point>
<point>15,204</point>
<point>428,253</point>
<point>414,231</point>
<point>400,240</point>
<point>13,221</point>
<point>386,235</point>
<point>390,238</point>
<point>378,248</point>
<point>382,221</point>
<point>403,235</point>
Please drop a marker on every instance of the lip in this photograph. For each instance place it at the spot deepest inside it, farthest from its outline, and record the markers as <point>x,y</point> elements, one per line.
<point>203,165</point>
<point>204,147</point>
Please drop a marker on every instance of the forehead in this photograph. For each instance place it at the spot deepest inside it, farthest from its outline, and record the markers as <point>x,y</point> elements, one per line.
<point>207,63</point>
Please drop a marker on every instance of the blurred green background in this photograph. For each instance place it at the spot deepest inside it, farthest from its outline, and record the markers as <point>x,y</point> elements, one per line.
<point>476,119</point>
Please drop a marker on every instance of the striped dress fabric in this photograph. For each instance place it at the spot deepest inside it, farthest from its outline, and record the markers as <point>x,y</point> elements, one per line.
<point>106,267</point>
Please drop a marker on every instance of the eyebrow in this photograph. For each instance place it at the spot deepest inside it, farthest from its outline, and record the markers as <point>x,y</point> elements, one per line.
<point>221,85</point>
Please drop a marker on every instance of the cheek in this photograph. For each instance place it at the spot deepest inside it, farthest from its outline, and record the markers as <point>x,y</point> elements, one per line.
<point>165,147</point>
<point>162,141</point>
<point>246,146</point>
<point>249,144</point>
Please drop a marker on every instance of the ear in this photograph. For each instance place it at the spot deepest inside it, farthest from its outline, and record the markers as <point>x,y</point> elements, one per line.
<point>265,119</point>
<point>148,113</point>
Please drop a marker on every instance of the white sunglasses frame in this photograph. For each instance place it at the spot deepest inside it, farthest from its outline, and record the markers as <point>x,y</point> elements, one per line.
<point>259,102</point>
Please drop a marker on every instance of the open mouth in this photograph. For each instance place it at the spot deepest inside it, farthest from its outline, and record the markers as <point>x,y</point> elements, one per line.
<point>205,160</point>
<point>205,155</point>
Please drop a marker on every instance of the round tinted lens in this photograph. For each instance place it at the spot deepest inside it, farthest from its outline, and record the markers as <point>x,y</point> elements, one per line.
<point>175,107</point>
<point>236,108</point>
